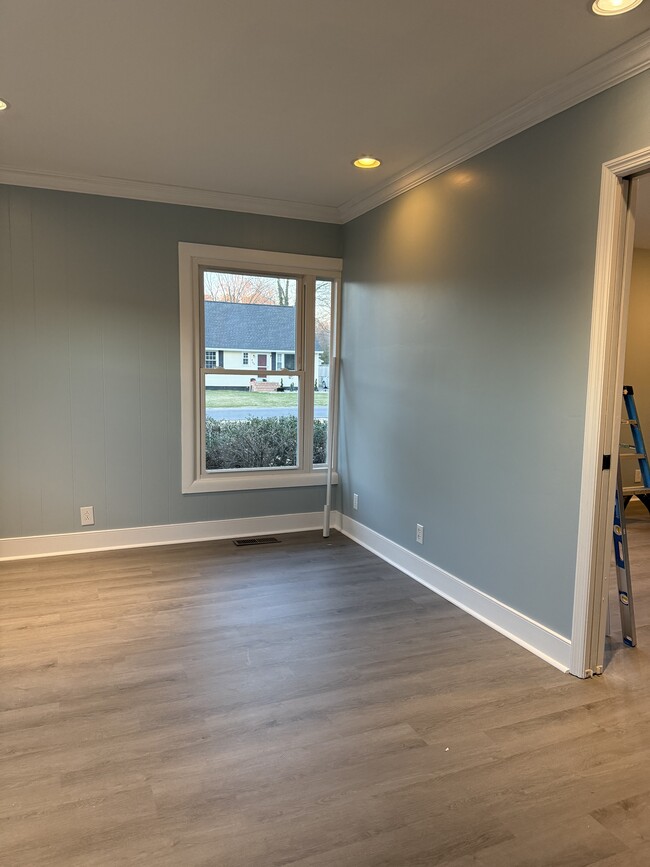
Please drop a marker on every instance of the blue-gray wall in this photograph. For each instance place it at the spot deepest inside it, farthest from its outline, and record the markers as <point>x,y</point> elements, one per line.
<point>89,359</point>
<point>466,321</point>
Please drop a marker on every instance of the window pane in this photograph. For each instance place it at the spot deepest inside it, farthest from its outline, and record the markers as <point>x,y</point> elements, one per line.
<point>250,422</point>
<point>322,368</point>
<point>250,318</point>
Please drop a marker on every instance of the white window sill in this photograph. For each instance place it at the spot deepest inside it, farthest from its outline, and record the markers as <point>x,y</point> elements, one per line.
<point>255,481</point>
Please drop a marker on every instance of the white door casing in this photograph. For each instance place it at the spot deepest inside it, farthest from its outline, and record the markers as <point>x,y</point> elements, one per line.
<point>603,410</point>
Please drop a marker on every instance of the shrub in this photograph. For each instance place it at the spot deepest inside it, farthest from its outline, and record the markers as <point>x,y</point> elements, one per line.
<point>320,440</point>
<point>258,442</point>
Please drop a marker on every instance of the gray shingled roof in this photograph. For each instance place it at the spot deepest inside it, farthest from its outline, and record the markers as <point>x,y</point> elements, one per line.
<point>250,327</point>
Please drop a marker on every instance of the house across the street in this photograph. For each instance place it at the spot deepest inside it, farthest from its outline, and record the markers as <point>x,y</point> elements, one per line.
<point>256,337</point>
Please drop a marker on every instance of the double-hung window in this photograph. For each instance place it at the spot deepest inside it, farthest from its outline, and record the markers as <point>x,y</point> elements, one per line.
<point>257,415</point>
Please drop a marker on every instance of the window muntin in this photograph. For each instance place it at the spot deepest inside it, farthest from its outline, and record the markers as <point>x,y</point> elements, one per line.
<point>249,314</point>
<point>244,359</point>
<point>201,268</point>
<point>210,357</point>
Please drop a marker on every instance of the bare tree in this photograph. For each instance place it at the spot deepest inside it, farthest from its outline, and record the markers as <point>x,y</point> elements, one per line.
<point>283,292</point>
<point>248,289</point>
<point>236,288</point>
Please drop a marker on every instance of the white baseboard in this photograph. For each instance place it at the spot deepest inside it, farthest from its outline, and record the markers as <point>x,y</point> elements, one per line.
<point>539,639</point>
<point>164,534</point>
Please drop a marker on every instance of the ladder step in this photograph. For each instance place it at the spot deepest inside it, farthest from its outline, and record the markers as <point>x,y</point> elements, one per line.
<point>636,490</point>
<point>629,421</point>
<point>632,455</point>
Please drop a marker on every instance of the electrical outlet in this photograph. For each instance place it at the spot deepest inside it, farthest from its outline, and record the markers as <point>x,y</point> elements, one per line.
<point>419,533</point>
<point>87,516</point>
<point>355,501</point>
<point>637,475</point>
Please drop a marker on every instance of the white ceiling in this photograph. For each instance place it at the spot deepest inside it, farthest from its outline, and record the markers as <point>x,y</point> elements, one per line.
<point>261,105</point>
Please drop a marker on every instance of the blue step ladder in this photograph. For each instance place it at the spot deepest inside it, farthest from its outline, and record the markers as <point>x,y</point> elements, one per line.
<point>623,577</point>
<point>635,450</point>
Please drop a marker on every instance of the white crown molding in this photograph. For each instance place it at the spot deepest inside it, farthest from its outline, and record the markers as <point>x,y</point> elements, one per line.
<point>28,547</point>
<point>169,194</point>
<point>607,71</point>
<point>518,627</point>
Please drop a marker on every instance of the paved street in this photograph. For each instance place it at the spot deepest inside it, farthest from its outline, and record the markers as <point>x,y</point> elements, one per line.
<point>242,412</point>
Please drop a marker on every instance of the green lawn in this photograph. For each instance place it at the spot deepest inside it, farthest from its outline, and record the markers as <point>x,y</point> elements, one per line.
<point>223,399</point>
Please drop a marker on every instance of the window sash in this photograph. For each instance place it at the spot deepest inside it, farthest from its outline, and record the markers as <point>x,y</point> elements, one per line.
<point>299,465</point>
<point>332,350</point>
<point>303,461</point>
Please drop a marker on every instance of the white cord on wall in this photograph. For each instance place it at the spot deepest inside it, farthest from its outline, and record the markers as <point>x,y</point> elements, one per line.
<point>331,445</point>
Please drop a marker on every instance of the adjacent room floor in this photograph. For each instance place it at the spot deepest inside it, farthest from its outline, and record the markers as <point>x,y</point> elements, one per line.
<point>300,703</point>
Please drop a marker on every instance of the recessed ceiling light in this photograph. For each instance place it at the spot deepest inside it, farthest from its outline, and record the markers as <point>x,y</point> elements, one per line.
<point>367,162</point>
<point>4,105</point>
<point>614,7</point>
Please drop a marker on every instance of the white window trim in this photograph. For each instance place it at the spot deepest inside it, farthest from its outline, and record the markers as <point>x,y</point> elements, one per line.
<point>191,258</point>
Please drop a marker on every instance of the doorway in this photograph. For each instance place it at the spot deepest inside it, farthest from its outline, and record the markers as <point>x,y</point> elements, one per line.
<point>621,184</point>
<point>634,473</point>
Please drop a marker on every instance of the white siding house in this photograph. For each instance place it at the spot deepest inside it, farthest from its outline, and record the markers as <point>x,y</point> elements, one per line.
<point>256,337</point>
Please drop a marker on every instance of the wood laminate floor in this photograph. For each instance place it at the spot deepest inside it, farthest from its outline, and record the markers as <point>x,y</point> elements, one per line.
<point>301,703</point>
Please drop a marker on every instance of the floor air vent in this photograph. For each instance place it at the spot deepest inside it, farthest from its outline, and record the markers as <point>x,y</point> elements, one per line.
<point>263,540</point>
